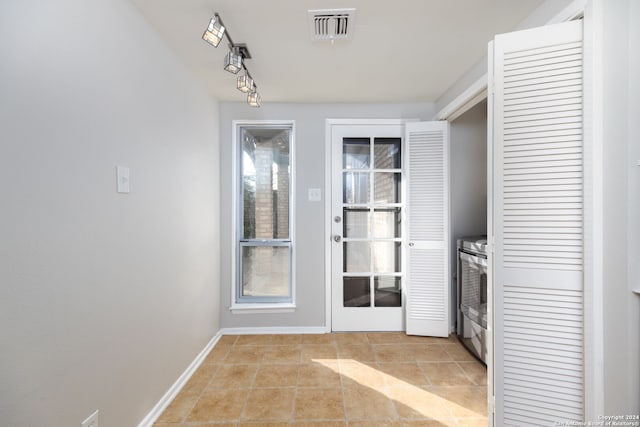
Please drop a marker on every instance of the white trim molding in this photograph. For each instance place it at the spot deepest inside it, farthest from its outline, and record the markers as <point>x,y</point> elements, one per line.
<point>465,101</point>
<point>327,223</point>
<point>262,308</point>
<point>182,380</point>
<point>274,330</point>
<point>594,376</point>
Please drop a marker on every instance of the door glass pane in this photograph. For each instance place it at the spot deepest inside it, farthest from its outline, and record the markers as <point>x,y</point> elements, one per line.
<point>356,222</point>
<point>386,257</point>
<point>356,187</point>
<point>387,187</point>
<point>386,222</point>
<point>265,271</point>
<point>386,153</point>
<point>387,291</point>
<point>356,257</point>
<point>356,292</point>
<point>265,183</point>
<point>356,153</point>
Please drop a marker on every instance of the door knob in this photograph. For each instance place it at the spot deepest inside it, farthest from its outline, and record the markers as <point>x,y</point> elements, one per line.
<point>337,238</point>
<point>337,219</point>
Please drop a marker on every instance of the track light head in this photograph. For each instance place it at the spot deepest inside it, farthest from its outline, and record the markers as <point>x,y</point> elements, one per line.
<point>214,32</point>
<point>245,84</point>
<point>233,61</point>
<point>254,99</point>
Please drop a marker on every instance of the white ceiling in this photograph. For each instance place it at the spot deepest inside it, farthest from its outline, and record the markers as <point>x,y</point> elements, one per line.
<point>401,51</point>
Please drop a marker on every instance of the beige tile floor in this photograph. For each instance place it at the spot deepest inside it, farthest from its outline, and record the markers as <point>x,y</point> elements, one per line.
<point>341,379</point>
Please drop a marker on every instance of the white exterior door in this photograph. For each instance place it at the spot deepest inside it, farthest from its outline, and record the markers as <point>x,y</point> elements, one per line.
<point>537,225</point>
<point>367,203</point>
<point>427,171</point>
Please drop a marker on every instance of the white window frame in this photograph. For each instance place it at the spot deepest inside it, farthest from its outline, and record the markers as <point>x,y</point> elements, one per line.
<point>260,307</point>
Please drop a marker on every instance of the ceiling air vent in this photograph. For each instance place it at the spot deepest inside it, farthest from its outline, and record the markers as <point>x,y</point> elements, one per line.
<point>331,24</point>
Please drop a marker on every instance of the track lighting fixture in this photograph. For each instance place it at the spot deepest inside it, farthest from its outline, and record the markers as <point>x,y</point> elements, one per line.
<point>234,60</point>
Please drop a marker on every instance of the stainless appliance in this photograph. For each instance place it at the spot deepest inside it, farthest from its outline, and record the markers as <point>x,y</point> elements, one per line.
<point>472,294</point>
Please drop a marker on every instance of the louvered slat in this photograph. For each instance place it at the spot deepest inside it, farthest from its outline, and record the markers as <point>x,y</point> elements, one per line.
<point>525,349</point>
<point>538,128</point>
<point>426,185</point>
<point>427,229</point>
<point>427,293</point>
<point>555,168</point>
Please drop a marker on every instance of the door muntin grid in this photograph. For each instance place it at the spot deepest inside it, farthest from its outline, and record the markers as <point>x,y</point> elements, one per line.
<point>372,213</point>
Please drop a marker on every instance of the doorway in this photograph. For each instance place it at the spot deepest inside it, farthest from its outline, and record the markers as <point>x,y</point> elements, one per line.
<point>367,207</point>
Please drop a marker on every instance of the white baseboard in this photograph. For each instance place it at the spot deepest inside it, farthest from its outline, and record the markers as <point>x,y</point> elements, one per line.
<point>275,330</point>
<point>173,391</point>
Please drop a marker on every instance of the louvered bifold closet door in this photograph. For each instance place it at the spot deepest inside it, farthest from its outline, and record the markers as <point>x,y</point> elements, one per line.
<point>538,225</point>
<point>427,171</point>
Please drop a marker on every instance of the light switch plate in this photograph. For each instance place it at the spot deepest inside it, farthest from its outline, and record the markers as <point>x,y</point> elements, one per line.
<point>122,176</point>
<point>315,194</point>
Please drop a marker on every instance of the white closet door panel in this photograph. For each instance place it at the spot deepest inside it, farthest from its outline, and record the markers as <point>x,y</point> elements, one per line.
<point>538,226</point>
<point>427,174</point>
<point>427,295</point>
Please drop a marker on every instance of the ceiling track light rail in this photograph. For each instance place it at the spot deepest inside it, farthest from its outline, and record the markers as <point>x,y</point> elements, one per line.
<point>234,60</point>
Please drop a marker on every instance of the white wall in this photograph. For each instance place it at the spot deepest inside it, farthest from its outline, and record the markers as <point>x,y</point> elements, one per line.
<point>310,220</point>
<point>621,45</point>
<point>468,182</point>
<point>105,298</point>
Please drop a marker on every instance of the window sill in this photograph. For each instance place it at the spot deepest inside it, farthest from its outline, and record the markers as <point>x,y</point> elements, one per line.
<point>262,308</point>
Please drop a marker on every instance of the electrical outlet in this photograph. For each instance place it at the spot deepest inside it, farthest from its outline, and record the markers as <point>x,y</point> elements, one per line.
<point>91,421</point>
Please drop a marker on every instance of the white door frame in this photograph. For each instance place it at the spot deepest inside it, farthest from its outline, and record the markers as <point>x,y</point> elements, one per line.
<point>329,123</point>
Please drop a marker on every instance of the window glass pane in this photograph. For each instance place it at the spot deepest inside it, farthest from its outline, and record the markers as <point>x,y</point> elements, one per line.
<point>356,257</point>
<point>387,187</point>
<point>265,183</point>
<point>386,153</point>
<point>387,291</point>
<point>386,257</point>
<point>386,223</point>
<point>356,222</point>
<point>265,271</point>
<point>356,292</point>
<point>356,153</point>
<point>356,187</point>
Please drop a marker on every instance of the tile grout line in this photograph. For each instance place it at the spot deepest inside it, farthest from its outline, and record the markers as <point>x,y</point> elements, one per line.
<point>237,421</point>
<point>295,392</point>
<point>473,382</point>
